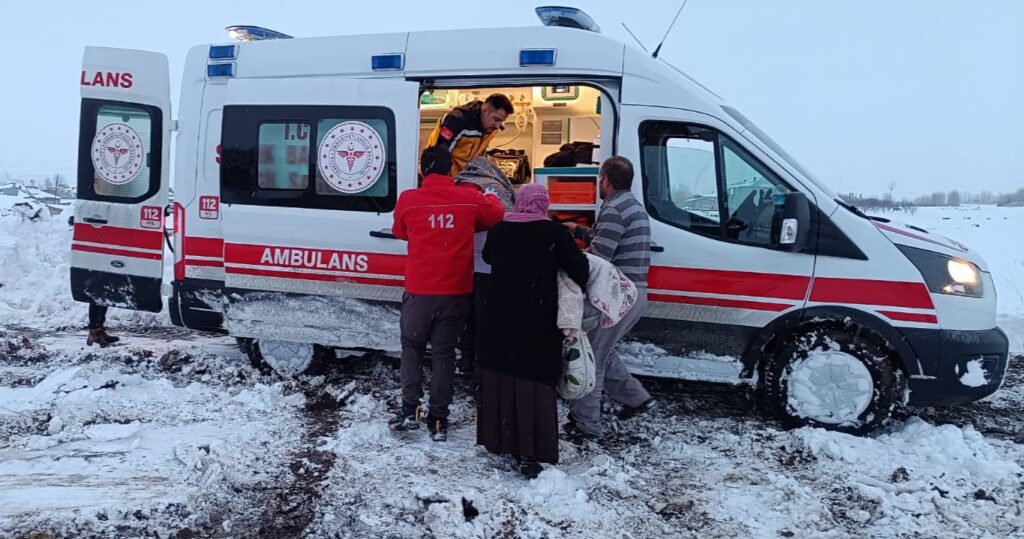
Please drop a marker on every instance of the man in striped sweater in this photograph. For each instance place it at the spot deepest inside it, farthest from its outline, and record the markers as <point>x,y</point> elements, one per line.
<point>622,235</point>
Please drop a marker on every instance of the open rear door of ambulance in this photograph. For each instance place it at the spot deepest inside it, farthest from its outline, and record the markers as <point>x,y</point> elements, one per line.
<point>123,159</point>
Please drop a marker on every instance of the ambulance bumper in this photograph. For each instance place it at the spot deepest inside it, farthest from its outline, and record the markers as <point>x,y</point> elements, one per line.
<point>957,366</point>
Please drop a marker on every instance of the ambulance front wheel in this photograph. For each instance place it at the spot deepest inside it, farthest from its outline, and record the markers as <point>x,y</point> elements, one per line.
<point>287,358</point>
<point>834,376</point>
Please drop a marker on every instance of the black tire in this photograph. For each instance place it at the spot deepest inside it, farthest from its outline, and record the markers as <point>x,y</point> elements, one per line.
<point>322,356</point>
<point>867,347</point>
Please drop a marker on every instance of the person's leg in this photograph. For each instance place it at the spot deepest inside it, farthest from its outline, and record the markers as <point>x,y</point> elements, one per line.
<point>97,333</point>
<point>450,314</point>
<point>467,340</point>
<point>586,410</point>
<point>619,383</point>
<point>97,316</point>
<point>415,327</point>
<point>482,288</point>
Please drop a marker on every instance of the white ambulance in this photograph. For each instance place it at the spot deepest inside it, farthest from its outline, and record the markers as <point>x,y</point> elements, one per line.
<point>291,153</point>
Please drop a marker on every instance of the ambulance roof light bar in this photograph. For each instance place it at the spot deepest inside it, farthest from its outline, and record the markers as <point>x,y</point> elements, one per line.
<point>253,33</point>
<point>567,17</point>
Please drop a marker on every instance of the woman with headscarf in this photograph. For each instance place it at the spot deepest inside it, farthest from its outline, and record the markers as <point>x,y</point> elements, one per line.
<point>522,346</point>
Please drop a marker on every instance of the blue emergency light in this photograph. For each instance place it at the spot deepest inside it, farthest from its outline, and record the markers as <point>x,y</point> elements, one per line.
<point>223,52</point>
<point>220,70</point>
<point>536,57</point>
<point>387,62</point>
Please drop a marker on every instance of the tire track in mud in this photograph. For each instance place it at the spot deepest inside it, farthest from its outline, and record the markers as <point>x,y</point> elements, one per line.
<point>290,509</point>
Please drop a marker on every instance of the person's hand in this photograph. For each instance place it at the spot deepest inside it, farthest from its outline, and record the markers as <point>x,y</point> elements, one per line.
<point>571,226</point>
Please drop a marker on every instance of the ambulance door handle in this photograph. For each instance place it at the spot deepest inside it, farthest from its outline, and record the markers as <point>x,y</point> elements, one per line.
<point>385,233</point>
<point>655,248</point>
<point>95,220</point>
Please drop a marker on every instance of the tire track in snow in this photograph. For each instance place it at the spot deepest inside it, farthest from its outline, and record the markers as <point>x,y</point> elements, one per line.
<point>291,509</point>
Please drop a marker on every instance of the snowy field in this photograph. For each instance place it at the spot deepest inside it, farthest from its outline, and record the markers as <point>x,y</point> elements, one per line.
<point>172,434</point>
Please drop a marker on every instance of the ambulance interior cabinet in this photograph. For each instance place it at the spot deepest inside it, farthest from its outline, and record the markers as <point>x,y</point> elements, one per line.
<point>573,192</point>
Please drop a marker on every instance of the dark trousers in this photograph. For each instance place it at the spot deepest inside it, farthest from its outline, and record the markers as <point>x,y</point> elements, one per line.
<point>97,316</point>
<point>438,320</point>
<point>470,341</point>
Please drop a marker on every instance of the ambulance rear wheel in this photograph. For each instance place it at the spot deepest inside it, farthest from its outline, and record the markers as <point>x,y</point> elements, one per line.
<point>833,376</point>
<point>286,358</point>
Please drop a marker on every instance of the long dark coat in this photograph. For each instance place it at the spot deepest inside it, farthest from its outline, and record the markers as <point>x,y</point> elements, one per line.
<point>520,335</point>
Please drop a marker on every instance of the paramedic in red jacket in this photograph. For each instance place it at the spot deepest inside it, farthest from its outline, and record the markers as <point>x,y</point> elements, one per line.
<point>438,220</point>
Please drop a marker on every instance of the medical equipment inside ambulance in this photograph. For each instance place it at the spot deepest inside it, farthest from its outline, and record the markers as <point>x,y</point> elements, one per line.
<point>546,120</point>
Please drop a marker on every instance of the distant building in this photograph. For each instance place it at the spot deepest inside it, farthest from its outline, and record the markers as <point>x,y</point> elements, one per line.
<point>57,201</point>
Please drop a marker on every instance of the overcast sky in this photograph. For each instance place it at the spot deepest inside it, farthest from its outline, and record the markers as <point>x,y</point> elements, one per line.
<point>925,93</point>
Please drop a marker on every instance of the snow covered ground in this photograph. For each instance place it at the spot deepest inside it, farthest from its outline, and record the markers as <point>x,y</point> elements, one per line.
<point>172,433</point>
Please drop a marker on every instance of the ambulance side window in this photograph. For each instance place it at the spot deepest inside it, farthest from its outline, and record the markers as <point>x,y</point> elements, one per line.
<point>697,179</point>
<point>305,156</point>
<point>120,151</point>
<point>680,177</point>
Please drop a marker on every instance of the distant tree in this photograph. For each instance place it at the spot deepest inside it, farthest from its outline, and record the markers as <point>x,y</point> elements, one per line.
<point>954,198</point>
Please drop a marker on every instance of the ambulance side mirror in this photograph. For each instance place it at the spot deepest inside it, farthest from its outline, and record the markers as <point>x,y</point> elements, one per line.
<point>792,225</point>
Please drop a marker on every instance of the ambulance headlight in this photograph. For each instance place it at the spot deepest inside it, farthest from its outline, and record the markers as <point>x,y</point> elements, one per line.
<point>962,271</point>
<point>946,274</point>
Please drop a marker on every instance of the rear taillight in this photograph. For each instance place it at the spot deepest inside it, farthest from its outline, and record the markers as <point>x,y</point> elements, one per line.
<point>179,242</point>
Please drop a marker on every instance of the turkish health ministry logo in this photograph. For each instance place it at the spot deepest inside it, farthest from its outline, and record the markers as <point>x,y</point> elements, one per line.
<point>117,154</point>
<point>351,157</point>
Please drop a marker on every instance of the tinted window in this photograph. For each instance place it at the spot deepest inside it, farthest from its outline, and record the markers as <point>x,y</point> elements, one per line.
<point>119,151</point>
<point>270,153</point>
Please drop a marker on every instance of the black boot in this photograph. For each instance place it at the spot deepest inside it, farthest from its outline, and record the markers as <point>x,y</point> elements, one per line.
<point>629,412</point>
<point>438,428</point>
<point>529,467</point>
<point>407,419</point>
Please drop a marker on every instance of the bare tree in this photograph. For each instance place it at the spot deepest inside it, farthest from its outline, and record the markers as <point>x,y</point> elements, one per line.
<point>954,198</point>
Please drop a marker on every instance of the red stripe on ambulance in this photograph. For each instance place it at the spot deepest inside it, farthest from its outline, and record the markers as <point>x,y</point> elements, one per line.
<point>199,246</point>
<point>116,252</point>
<point>320,259</point>
<point>870,292</point>
<point>123,237</point>
<point>734,283</point>
<point>720,302</point>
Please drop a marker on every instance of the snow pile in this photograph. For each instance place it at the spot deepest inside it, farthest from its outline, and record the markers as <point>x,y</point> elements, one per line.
<point>35,286</point>
<point>91,447</point>
<point>921,474</point>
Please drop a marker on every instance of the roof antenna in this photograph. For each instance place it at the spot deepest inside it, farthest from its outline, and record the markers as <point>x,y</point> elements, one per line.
<point>658,48</point>
<point>638,42</point>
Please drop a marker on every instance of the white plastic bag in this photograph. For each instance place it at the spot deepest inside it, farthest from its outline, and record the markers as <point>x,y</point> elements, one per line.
<point>579,373</point>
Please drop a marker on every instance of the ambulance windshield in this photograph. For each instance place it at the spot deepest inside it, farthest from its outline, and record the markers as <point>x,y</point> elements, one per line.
<point>763,137</point>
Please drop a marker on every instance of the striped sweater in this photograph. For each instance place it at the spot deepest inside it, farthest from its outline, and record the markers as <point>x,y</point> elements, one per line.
<point>622,236</point>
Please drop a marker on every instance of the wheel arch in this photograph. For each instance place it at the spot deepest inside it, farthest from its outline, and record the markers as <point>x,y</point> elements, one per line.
<point>771,335</point>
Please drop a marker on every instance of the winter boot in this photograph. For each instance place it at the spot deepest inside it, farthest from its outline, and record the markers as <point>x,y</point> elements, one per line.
<point>574,434</point>
<point>629,412</point>
<point>406,419</point>
<point>100,337</point>
<point>529,467</point>
<point>438,428</point>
